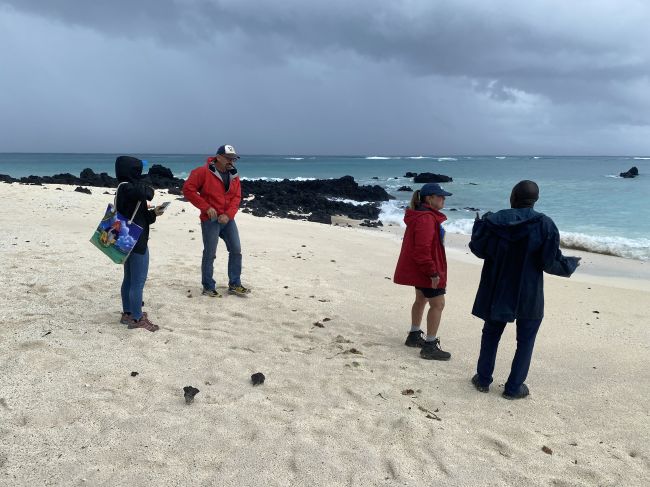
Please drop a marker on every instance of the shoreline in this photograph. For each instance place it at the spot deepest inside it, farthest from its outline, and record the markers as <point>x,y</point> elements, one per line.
<point>596,267</point>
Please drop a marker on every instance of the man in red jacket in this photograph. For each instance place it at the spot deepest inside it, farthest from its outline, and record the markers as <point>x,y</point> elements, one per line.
<point>215,189</point>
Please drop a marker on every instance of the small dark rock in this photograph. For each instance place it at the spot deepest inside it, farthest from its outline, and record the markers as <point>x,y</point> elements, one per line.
<point>547,450</point>
<point>631,173</point>
<point>80,189</point>
<point>428,177</point>
<point>133,374</point>
<point>408,392</point>
<point>404,188</point>
<point>257,378</point>
<point>189,393</point>
<point>319,324</point>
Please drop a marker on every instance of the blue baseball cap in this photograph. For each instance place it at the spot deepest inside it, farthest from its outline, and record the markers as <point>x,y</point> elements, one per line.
<point>433,188</point>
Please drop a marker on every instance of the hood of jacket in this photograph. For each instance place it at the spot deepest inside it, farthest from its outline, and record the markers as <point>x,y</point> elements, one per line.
<point>211,163</point>
<point>513,224</point>
<point>410,216</point>
<point>128,169</point>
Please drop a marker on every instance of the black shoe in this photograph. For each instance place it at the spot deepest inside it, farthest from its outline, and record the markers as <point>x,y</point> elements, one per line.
<point>432,351</point>
<point>213,293</point>
<point>478,385</point>
<point>520,394</point>
<point>414,339</point>
<point>239,290</point>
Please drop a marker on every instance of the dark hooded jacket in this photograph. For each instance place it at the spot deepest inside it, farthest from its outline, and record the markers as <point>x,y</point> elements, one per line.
<point>517,245</point>
<point>129,170</point>
<point>423,252</point>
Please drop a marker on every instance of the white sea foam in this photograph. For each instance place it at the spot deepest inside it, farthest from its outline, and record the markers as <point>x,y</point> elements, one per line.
<point>264,178</point>
<point>615,176</point>
<point>419,157</point>
<point>462,226</point>
<point>642,158</point>
<point>443,159</point>
<point>631,248</point>
<point>381,157</point>
<point>392,212</point>
<point>500,157</point>
<point>295,158</point>
<point>351,202</point>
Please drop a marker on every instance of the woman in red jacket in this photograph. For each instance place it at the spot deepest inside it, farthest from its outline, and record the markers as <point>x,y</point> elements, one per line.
<point>423,264</point>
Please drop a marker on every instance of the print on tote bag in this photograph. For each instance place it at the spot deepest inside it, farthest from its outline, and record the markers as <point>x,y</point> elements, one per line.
<point>116,235</point>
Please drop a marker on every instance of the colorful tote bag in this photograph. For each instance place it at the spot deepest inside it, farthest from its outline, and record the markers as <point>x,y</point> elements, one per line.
<point>116,235</point>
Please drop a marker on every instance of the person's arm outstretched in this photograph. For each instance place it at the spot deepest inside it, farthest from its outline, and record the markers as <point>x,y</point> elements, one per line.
<point>552,259</point>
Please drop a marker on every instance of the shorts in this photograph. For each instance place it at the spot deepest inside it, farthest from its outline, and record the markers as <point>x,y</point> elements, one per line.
<point>430,292</point>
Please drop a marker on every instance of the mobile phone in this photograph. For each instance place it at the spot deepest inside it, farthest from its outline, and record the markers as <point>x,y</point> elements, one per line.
<point>161,208</point>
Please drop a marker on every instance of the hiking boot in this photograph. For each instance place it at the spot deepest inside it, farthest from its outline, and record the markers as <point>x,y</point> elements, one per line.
<point>211,292</point>
<point>414,339</point>
<point>520,394</point>
<point>432,351</point>
<point>478,385</point>
<point>143,323</point>
<point>127,320</point>
<point>239,290</point>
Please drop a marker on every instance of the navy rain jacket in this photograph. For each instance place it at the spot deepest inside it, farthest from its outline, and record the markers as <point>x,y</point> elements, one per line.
<point>517,246</point>
<point>129,170</point>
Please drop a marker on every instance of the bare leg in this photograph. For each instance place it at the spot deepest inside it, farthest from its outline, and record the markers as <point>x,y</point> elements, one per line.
<point>417,310</point>
<point>436,305</point>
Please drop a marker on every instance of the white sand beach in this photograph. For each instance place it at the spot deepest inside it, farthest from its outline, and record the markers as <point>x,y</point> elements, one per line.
<point>332,410</point>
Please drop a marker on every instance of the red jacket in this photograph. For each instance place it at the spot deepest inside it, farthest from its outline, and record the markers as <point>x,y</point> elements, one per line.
<point>205,189</point>
<point>423,251</point>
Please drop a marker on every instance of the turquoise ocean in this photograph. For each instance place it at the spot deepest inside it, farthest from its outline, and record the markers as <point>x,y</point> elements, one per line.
<point>593,207</point>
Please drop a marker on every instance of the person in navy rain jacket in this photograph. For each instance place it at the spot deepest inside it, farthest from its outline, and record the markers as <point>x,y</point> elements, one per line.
<point>517,245</point>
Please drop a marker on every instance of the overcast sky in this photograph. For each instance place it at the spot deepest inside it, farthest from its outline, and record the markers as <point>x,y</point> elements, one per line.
<point>371,77</point>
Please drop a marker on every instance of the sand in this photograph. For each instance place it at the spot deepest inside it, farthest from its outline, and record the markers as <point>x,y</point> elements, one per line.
<point>332,410</point>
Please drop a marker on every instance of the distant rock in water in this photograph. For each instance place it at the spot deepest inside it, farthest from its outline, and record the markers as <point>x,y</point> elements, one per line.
<point>410,174</point>
<point>632,173</point>
<point>405,188</point>
<point>429,177</point>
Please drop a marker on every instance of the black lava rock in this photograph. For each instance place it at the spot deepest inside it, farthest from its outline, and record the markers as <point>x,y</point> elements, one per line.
<point>257,378</point>
<point>405,188</point>
<point>429,177</point>
<point>189,393</point>
<point>79,189</point>
<point>631,173</point>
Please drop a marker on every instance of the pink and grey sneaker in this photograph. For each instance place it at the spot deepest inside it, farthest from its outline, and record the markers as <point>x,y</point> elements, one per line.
<point>143,323</point>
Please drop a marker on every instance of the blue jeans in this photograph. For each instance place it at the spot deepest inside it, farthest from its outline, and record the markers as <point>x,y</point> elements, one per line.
<point>136,269</point>
<point>211,231</point>
<point>492,331</point>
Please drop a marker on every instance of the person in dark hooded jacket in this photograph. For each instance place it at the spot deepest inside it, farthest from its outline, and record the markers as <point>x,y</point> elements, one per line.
<point>131,191</point>
<point>517,245</point>
<point>422,264</point>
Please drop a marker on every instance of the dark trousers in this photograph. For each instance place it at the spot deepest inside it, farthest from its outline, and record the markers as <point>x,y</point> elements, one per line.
<point>492,331</point>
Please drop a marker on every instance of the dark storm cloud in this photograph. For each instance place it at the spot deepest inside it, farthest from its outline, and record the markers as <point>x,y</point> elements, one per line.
<point>550,51</point>
<point>461,74</point>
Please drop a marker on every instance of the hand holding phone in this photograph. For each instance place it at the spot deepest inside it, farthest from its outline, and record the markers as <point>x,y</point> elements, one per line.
<point>160,209</point>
